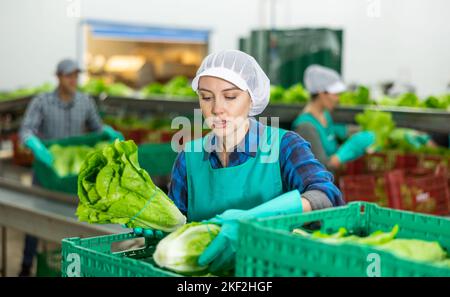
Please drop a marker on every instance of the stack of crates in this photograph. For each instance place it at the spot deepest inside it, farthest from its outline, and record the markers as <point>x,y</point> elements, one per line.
<point>408,181</point>
<point>269,247</point>
<point>22,156</point>
<point>90,257</point>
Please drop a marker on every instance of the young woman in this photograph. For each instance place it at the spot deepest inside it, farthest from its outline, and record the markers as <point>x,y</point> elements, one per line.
<point>243,168</point>
<point>316,125</point>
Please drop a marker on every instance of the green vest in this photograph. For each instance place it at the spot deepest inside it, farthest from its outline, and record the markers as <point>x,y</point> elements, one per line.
<point>327,134</point>
<point>212,191</point>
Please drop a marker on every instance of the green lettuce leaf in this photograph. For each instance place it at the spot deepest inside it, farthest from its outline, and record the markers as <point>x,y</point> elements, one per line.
<point>379,122</point>
<point>276,93</point>
<point>113,188</point>
<point>67,160</point>
<point>408,100</point>
<point>415,249</point>
<point>412,249</point>
<point>361,96</point>
<point>118,89</point>
<point>94,87</point>
<point>296,94</point>
<point>376,238</point>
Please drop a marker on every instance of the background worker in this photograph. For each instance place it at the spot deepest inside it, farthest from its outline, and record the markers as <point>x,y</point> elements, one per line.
<point>62,113</point>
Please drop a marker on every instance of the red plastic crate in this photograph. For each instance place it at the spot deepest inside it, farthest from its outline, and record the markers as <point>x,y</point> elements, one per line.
<point>166,135</point>
<point>21,156</point>
<point>373,163</point>
<point>378,163</point>
<point>433,161</point>
<point>357,166</point>
<point>138,135</point>
<point>365,187</point>
<point>406,161</point>
<point>420,190</point>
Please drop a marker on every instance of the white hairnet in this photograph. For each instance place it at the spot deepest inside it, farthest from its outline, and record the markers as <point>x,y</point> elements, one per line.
<point>322,79</point>
<point>241,70</point>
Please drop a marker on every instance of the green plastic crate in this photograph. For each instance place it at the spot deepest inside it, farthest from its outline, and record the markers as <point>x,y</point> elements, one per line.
<point>93,257</point>
<point>157,158</point>
<point>268,248</point>
<point>49,179</point>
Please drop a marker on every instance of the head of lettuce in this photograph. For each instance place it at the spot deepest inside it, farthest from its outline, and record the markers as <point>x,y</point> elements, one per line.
<point>113,188</point>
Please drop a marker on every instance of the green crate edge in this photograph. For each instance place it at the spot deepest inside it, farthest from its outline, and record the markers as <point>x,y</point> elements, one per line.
<point>116,266</point>
<point>47,177</point>
<point>43,269</point>
<point>156,158</point>
<point>306,257</point>
<point>89,139</point>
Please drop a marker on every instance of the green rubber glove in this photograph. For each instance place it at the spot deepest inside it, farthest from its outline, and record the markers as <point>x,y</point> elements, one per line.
<point>416,139</point>
<point>145,232</point>
<point>148,233</point>
<point>111,133</point>
<point>220,254</point>
<point>356,146</point>
<point>40,152</point>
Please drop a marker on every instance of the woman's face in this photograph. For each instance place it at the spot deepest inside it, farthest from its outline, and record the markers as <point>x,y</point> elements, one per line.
<point>224,106</point>
<point>328,100</point>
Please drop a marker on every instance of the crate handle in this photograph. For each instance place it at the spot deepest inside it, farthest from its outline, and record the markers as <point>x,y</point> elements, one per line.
<point>362,209</point>
<point>308,226</point>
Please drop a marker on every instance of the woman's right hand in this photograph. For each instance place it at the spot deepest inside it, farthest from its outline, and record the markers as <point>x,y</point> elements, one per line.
<point>334,162</point>
<point>356,146</point>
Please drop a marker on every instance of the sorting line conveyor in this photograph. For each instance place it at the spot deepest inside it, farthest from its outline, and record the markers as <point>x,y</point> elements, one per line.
<point>44,214</point>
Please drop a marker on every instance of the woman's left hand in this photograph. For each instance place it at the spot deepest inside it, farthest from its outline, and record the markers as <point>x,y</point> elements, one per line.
<point>220,254</point>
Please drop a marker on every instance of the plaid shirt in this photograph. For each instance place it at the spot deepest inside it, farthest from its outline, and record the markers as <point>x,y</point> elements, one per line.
<point>299,168</point>
<point>48,117</point>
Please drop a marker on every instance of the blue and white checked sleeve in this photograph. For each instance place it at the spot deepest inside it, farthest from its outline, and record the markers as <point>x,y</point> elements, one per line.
<point>32,120</point>
<point>178,183</point>
<point>93,121</point>
<point>302,171</point>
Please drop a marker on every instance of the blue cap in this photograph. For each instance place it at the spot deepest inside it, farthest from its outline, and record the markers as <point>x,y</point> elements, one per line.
<point>67,66</point>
